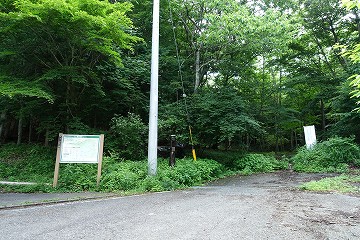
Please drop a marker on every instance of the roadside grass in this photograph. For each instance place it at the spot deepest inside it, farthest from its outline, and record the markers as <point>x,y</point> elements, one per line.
<point>26,163</point>
<point>126,177</point>
<point>335,155</point>
<point>342,184</point>
<point>33,163</point>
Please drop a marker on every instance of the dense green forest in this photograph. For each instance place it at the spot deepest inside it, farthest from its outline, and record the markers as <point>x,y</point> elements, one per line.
<point>243,74</point>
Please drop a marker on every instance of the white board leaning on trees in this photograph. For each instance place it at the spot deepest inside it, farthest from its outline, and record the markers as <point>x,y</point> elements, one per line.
<point>310,136</point>
<point>79,149</point>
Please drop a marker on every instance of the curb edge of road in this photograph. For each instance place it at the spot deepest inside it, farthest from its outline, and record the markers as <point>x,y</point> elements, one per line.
<point>69,200</point>
<point>53,202</point>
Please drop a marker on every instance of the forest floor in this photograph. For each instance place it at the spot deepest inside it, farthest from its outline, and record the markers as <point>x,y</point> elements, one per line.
<point>261,206</point>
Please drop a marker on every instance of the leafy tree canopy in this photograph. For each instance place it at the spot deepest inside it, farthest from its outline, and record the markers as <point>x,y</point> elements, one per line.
<point>52,40</point>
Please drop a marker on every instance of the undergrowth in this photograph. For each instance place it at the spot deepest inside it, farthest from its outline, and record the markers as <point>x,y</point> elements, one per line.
<point>334,155</point>
<point>259,163</point>
<point>33,163</point>
<point>226,158</point>
<point>343,184</point>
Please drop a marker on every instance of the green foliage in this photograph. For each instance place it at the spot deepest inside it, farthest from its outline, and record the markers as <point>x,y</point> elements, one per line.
<point>226,158</point>
<point>346,121</point>
<point>186,173</point>
<point>130,176</point>
<point>259,163</point>
<point>77,177</point>
<point>122,176</point>
<point>334,155</point>
<point>353,53</point>
<point>173,120</point>
<point>349,4</point>
<point>32,163</point>
<point>10,87</point>
<point>221,118</point>
<point>72,65</point>
<point>335,184</point>
<point>76,126</point>
<point>51,56</point>
<point>127,137</point>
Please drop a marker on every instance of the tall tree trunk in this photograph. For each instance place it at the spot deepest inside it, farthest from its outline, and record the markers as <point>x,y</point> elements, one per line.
<point>276,138</point>
<point>326,60</point>
<point>67,103</point>
<point>30,131</point>
<point>47,137</point>
<point>262,88</point>
<point>229,144</point>
<point>2,122</point>
<point>95,121</point>
<point>197,70</point>
<point>19,135</point>
<point>322,106</point>
<point>278,102</point>
<point>247,141</point>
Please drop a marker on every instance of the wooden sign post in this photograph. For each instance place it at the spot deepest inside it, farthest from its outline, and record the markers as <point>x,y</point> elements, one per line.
<point>79,149</point>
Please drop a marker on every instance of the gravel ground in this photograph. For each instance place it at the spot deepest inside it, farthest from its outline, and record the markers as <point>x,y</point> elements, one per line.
<point>264,206</point>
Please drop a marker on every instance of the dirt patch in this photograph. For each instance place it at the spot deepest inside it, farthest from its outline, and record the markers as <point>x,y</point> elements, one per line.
<point>303,213</point>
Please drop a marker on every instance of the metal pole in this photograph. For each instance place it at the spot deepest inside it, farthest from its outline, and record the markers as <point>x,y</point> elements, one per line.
<point>153,115</point>
<point>172,151</point>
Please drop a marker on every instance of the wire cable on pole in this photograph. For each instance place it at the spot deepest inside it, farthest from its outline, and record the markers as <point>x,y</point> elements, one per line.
<point>182,80</point>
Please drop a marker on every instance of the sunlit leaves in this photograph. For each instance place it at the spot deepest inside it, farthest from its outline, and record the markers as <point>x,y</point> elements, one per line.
<point>349,4</point>
<point>16,87</point>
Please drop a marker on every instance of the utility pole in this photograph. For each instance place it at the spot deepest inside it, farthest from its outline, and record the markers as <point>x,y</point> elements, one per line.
<point>153,115</point>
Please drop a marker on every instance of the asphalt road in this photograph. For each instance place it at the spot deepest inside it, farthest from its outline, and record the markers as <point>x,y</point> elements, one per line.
<point>266,206</point>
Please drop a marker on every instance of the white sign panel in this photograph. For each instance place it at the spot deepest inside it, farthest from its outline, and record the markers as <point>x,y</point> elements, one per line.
<point>80,148</point>
<point>310,136</point>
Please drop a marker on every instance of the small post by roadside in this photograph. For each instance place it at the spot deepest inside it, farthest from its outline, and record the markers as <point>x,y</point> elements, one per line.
<point>173,149</point>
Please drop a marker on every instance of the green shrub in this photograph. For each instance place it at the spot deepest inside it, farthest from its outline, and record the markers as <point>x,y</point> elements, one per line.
<point>132,176</point>
<point>188,173</point>
<point>254,163</point>
<point>36,163</point>
<point>122,176</point>
<point>126,137</point>
<point>120,180</point>
<point>151,184</point>
<point>77,177</point>
<point>334,155</point>
<point>227,158</point>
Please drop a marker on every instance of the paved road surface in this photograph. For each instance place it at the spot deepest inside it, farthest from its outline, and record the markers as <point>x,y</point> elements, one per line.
<point>266,206</point>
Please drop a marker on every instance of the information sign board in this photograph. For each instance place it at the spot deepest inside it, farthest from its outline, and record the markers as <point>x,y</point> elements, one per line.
<point>80,148</point>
